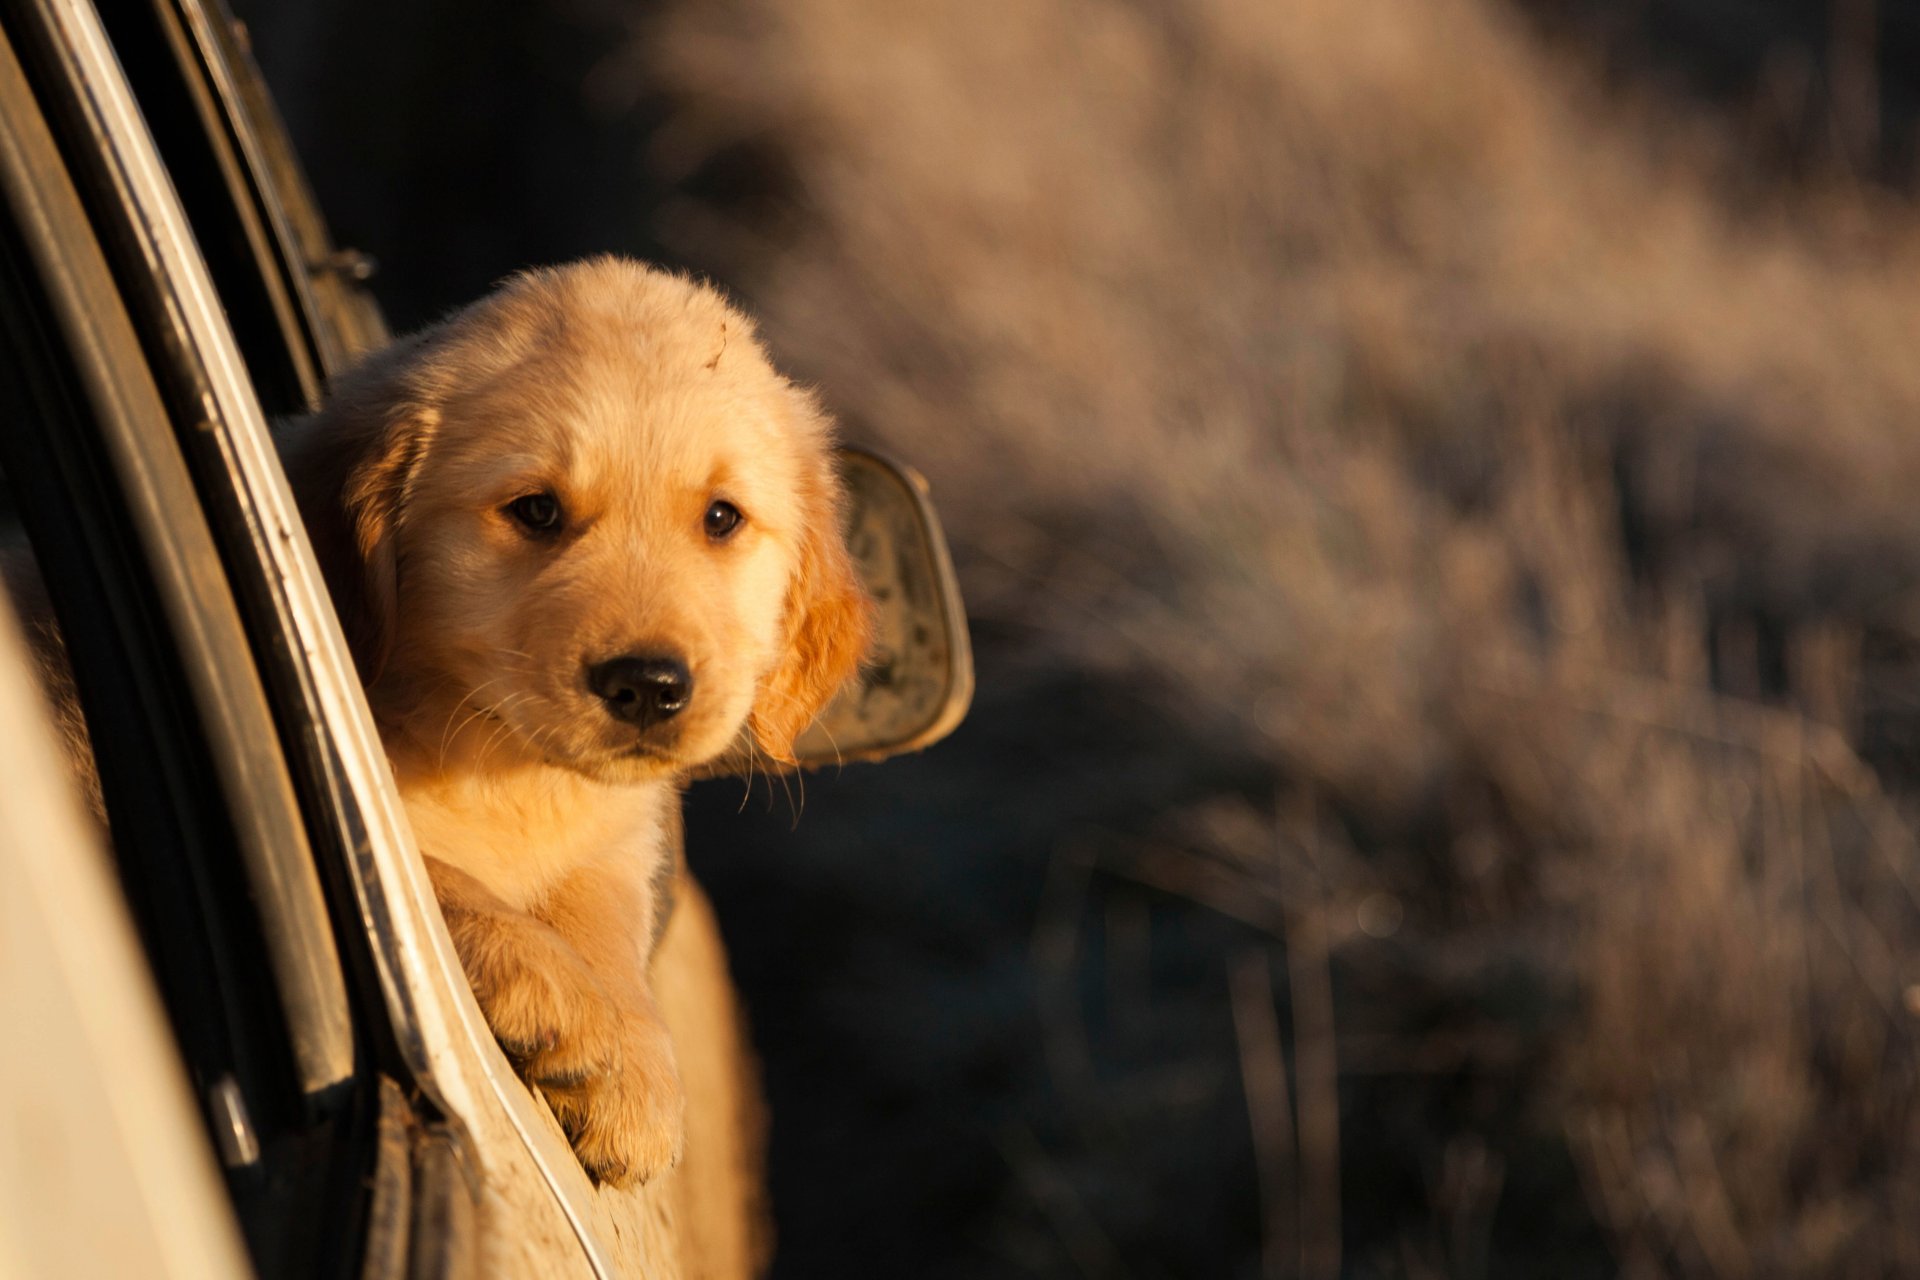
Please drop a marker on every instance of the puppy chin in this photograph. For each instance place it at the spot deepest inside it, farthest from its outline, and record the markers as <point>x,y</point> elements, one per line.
<point>621,759</point>
<point>621,771</point>
<point>630,762</point>
<point>620,765</point>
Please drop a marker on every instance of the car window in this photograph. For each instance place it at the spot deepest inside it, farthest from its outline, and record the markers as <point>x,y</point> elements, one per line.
<point>211,177</point>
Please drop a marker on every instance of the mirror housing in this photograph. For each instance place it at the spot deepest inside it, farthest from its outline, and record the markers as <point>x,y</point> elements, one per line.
<point>918,682</point>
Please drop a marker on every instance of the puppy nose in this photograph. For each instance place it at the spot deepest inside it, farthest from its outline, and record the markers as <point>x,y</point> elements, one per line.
<point>642,691</point>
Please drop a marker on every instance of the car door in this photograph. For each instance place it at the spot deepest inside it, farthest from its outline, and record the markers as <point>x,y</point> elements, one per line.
<point>193,793</point>
<point>240,782</point>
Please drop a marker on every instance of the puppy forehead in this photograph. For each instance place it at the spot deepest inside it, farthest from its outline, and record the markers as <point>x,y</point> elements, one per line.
<point>663,441</point>
<point>626,432</point>
<point>613,379</point>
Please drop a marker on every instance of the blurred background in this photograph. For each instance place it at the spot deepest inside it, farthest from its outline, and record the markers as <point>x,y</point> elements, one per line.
<point>1434,483</point>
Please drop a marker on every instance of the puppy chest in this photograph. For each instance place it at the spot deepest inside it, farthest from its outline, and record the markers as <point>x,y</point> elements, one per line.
<point>522,846</point>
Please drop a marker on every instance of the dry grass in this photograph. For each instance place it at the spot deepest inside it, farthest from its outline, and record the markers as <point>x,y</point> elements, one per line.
<point>1537,526</point>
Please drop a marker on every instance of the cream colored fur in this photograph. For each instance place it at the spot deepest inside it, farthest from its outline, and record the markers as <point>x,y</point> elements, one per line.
<point>636,399</point>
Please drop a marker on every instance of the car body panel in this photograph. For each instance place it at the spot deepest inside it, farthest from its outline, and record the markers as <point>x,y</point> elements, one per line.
<point>105,1166</point>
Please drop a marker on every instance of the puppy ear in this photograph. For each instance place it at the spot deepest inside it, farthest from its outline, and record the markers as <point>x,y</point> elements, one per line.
<point>352,466</point>
<point>829,628</point>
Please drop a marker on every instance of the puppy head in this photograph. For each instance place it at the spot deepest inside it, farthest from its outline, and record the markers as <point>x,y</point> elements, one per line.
<point>584,522</point>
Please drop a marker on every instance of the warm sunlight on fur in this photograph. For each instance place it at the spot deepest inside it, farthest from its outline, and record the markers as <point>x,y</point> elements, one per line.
<point>583,538</point>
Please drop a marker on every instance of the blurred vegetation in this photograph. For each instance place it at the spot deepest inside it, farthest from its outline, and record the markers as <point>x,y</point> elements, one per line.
<point>1433,484</point>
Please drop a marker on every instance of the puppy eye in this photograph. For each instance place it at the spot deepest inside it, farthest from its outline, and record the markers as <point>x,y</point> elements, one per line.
<point>722,519</point>
<point>539,512</point>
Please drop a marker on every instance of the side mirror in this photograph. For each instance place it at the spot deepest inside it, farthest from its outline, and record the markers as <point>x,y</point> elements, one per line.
<point>916,687</point>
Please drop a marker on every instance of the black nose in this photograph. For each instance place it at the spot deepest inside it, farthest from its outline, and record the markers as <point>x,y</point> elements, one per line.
<point>642,691</point>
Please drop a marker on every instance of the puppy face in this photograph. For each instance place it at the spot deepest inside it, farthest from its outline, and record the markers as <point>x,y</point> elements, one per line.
<point>586,521</point>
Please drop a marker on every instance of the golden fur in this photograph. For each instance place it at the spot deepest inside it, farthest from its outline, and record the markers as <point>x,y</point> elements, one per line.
<point>636,399</point>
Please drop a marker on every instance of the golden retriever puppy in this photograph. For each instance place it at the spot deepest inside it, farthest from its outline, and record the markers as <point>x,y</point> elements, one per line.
<point>583,538</point>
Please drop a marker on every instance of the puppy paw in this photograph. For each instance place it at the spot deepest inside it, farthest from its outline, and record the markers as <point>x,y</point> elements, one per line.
<point>627,1125</point>
<point>605,1066</point>
<point>549,1012</point>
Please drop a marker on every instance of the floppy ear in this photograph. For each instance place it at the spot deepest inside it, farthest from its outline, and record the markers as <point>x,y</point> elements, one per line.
<point>829,628</point>
<point>351,467</point>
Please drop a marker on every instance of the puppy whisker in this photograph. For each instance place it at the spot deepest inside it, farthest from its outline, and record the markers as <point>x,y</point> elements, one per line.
<point>448,734</point>
<point>502,732</point>
<point>753,759</point>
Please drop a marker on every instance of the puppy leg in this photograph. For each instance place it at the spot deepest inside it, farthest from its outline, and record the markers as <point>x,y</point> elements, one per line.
<point>627,1124</point>
<point>546,1006</point>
